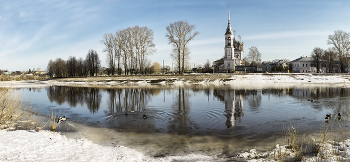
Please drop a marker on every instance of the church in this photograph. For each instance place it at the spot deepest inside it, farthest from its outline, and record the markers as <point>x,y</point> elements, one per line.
<point>233,51</point>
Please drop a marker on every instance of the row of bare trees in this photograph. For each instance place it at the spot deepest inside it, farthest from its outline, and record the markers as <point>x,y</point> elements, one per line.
<point>324,58</point>
<point>338,53</point>
<point>75,67</point>
<point>179,34</point>
<point>129,48</point>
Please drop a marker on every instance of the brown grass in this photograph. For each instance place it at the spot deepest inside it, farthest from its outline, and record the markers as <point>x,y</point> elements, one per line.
<point>21,77</point>
<point>16,114</point>
<point>52,122</point>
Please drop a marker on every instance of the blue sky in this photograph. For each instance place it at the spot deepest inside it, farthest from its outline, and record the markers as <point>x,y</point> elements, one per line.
<point>33,32</point>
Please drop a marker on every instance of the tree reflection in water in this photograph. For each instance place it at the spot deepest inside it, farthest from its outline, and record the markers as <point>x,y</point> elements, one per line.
<point>129,99</point>
<point>132,102</point>
<point>234,108</point>
<point>253,98</point>
<point>75,95</point>
<point>180,121</point>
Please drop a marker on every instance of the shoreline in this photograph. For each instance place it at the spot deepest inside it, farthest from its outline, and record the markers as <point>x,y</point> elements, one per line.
<point>235,81</point>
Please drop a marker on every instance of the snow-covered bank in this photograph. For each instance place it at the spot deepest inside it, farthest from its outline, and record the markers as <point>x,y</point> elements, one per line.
<point>329,151</point>
<point>207,80</point>
<point>24,145</point>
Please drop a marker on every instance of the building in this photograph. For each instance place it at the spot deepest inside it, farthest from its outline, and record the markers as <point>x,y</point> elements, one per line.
<point>233,51</point>
<point>304,65</point>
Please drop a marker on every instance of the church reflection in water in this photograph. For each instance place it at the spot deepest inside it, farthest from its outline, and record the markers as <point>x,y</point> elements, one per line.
<point>234,108</point>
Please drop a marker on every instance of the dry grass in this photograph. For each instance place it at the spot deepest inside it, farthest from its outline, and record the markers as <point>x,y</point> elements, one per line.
<point>52,122</point>
<point>14,113</point>
<point>293,143</point>
<point>21,77</point>
<point>333,131</point>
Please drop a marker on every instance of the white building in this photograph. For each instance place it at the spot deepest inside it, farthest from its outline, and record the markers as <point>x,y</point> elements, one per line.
<point>233,50</point>
<point>304,65</point>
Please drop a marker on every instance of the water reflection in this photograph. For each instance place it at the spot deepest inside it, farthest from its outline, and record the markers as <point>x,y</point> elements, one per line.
<point>180,122</point>
<point>233,100</point>
<point>330,99</point>
<point>129,99</point>
<point>193,111</point>
<point>335,100</point>
<point>74,96</point>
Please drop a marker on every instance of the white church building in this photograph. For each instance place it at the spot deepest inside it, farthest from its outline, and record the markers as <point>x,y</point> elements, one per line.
<point>233,51</point>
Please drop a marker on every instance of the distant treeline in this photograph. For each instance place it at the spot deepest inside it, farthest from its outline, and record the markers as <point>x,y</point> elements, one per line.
<point>75,67</point>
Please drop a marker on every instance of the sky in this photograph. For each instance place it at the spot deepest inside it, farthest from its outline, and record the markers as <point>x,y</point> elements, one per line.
<point>33,32</point>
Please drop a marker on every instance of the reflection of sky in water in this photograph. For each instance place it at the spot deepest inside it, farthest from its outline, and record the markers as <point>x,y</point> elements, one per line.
<point>190,111</point>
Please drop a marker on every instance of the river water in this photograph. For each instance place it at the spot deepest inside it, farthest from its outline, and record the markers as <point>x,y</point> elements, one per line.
<point>172,121</point>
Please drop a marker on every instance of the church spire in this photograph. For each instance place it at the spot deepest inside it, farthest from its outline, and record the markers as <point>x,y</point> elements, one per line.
<point>228,14</point>
<point>229,29</point>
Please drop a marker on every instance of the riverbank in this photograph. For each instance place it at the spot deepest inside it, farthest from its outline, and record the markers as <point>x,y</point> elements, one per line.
<point>237,81</point>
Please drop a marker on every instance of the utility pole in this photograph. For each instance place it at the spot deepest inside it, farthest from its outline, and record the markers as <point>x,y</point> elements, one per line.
<point>163,66</point>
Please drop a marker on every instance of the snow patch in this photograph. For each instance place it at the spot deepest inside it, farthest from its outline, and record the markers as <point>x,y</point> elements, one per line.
<point>24,145</point>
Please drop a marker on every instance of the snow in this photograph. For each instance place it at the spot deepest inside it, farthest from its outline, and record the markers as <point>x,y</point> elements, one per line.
<point>329,151</point>
<point>246,81</point>
<point>22,145</point>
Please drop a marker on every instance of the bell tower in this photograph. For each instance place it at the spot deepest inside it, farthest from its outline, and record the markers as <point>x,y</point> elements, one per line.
<point>229,47</point>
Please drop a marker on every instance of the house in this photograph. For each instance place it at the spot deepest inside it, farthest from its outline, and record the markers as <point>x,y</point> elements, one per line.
<point>304,65</point>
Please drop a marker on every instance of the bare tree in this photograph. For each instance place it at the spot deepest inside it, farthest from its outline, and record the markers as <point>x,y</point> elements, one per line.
<point>156,67</point>
<point>254,56</point>
<point>207,66</point>
<point>179,34</point>
<point>145,46</point>
<point>245,61</point>
<point>72,66</point>
<point>130,48</point>
<point>317,55</point>
<point>118,48</point>
<point>329,57</point>
<point>50,69</point>
<point>60,68</point>
<point>341,44</point>
<point>92,62</point>
<point>108,41</point>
